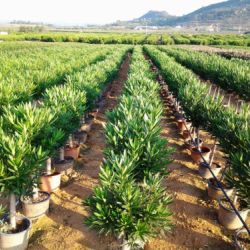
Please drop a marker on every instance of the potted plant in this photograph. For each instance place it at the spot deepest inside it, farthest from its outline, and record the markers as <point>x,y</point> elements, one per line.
<point>50,139</point>
<point>29,120</point>
<point>80,135</point>
<point>204,171</point>
<point>192,140</point>
<point>238,175</point>
<point>183,125</point>
<point>20,168</point>
<point>86,127</point>
<point>72,148</point>
<point>205,168</point>
<point>130,212</point>
<point>68,105</point>
<point>214,191</point>
<point>62,164</point>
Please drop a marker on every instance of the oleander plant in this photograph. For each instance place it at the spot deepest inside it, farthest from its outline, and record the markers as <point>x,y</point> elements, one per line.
<point>130,202</point>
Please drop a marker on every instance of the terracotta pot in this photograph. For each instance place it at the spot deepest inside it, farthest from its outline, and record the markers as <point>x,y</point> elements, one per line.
<point>181,125</point>
<point>228,218</point>
<point>35,210</point>
<point>186,135</point>
<point>196,155</point>
<point>237,243</point>
<point>72,152</point>
<point>65,166</point>
<point>50,183</point>
<point>214,192</point>
<point>205,172</point>
<point>16,241</point>
<point>80,137</point>
<point>189,144</point>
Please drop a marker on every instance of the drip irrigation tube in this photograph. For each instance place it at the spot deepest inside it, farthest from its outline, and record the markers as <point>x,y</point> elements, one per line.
<point>220,186</point>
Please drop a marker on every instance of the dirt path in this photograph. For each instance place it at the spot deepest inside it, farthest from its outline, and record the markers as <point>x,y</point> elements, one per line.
<point>194,215</point>
<point>63,228</point>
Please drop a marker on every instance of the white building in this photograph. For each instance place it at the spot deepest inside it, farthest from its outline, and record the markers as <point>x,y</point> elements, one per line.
<point>146,28</point>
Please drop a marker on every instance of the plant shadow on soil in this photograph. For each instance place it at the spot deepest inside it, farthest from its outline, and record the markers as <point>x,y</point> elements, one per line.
<point>199,241</point>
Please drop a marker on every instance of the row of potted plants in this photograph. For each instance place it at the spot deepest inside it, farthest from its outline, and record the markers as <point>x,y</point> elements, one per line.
<point>229,74</point>
<point>31,135</point>
<point>230,129</point>
<point>211,172</point>
<point>130,202</point>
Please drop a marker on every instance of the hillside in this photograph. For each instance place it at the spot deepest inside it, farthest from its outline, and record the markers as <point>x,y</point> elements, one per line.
<point>227,15</point>
<point>232,15</point>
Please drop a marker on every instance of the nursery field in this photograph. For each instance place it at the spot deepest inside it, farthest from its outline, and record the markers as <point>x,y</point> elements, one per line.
<point>159,37</point>
<point>123,146</point>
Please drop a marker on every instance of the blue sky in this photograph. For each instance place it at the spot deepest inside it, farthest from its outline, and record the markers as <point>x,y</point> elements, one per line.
<point>93,11</point>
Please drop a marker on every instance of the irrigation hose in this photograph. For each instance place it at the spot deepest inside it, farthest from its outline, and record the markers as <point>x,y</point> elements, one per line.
<point>220,186</point>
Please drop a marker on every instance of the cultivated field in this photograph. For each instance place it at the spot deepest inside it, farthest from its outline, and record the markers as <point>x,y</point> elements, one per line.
<point>124,141</point>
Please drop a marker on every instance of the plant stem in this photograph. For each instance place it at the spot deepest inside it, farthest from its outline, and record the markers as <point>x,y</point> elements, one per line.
<point>48,166</point>
<point>194,135</point>
<point>213,153</point>
<point>61,154</point>
<point>229,100</point>
<point>71,141</point>
<point>35,192</point>
<point>218,94</point>
<point>13,211</point>
<point>214,94</point>
<point>239,106</point>
<point>235,199</point>
<point>198,139</point>
<point>210,88</point>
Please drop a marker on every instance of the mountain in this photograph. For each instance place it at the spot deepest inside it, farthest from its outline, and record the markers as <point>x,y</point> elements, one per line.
<point>157,18</point>
<point>231,15</point>
<point>228,15</point>
<point>152,18</point>
<point>152,14</point>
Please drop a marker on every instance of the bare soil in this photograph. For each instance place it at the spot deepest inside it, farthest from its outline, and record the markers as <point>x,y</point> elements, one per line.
<point>41,197</point>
